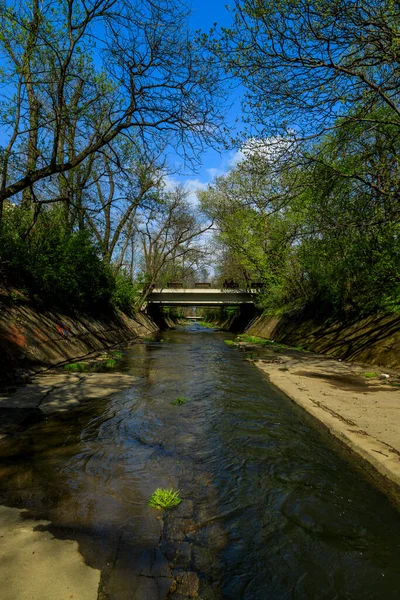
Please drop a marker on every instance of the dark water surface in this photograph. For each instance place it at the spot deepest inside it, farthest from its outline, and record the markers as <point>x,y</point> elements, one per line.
<point>270,511</point>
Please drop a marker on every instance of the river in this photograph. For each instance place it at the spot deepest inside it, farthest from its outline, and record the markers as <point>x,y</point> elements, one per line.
<point>270,510</point>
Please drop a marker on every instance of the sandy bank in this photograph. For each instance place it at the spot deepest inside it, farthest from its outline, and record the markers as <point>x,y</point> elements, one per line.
<point>363,414</point>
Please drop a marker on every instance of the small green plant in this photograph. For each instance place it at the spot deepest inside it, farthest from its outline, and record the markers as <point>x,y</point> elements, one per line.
<point>370,375</point>
<point>180,400</point>
<point>110,363</point>
<point>78,367</point>
<point>252,339</point>
<point>117,354</point>
<point>163,498</point>
<point>148,339</point>
<point>230,343</point>
<point>205,324</point>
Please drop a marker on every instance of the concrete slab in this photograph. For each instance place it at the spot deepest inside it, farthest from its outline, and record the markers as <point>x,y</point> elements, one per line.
<point>60,392</point>
<point>36,566</point>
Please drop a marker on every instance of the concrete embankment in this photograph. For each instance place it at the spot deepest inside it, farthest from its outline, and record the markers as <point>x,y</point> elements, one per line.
<point>373,340</point>
<point>32,339</point>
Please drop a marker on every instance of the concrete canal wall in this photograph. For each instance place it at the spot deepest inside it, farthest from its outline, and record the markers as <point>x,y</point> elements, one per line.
<point>373,340</point>
<point>32,339</point>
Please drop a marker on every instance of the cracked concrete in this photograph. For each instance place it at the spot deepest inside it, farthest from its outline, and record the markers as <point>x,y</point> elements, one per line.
<point>37,566</point>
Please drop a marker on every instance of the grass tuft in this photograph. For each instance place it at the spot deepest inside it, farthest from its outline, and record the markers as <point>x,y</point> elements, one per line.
<point>180,400</point>
<point>78,367</point>
<point>370,375</point>
<point>163,498</point>
<point>109,363</point>
<point>230,343</point>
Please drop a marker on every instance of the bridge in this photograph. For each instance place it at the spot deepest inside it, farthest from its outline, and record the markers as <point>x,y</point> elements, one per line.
<point>201,297</point>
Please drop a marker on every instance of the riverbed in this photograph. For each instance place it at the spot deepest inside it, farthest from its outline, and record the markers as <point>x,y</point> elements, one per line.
<point>270,509</point>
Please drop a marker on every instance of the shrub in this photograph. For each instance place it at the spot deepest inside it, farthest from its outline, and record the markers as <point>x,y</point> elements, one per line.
<point>53,264</point>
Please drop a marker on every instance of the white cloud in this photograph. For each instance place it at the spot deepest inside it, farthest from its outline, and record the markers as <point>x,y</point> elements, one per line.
<point>236,156</point>
<point>214,172</point>
<point>190,185</point>
<point>271,149</point>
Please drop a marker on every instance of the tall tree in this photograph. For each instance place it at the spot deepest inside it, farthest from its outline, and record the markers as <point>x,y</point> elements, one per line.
<point>89,70</point>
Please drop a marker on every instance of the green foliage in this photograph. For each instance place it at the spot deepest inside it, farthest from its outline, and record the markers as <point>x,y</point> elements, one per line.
<point>370,375</point>
<point>164,498</point>
<point>53,264</point>
<point>110,363</point>
<point>180,400</point>
<point>230,343</point>
<point>78,367</point>
<point>206,324</point>
<point>252,339</point>
<point>88,366</point>
<point>322,232</point>
<point>172,312</point>
<point>127,293</point>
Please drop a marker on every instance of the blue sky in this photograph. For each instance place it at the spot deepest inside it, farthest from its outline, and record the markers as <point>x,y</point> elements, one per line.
<point>205,13</point>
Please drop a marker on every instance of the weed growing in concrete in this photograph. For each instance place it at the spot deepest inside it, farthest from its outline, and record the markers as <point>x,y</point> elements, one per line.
<point>180,400</point>
<point>163,498</point>
<point>78,367</point>
<point>370,375</point>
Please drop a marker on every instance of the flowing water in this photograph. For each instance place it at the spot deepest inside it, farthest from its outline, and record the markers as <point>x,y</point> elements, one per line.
<point>270,510</point>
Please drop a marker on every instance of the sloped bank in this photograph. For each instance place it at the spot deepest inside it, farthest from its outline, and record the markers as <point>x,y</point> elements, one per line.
<point>373,340</point>
<point>32,339</point>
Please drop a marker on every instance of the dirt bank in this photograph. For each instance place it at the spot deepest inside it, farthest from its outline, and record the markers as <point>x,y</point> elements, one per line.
<point>31,339</point>
<point>363,413</point>
<point>373,340</point>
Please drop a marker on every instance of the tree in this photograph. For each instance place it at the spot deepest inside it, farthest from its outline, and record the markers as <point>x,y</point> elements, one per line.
<point>78,73</point>
<point>312,65</point>
<point>170,234</point>
<point>250,208</point>
<point>311,234</point>
<point>123,178</point>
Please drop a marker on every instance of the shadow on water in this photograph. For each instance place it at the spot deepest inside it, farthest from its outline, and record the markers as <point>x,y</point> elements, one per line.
<point>268,511</point>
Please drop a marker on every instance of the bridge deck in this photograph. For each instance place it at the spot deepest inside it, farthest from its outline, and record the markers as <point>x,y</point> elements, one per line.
<point>201,297</point>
